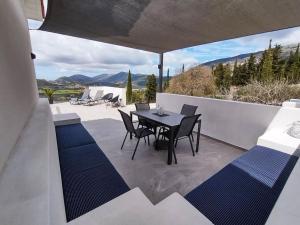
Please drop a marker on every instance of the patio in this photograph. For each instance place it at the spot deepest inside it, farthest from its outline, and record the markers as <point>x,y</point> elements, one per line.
<point>149,170</point>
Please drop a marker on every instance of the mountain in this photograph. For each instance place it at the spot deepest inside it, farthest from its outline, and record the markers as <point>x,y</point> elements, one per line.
<point>76,78</point>
<point>118,79</point>
<point>286,49</point>
<point>44,83</point>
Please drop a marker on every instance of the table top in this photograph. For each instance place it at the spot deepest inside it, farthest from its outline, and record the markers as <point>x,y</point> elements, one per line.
<point>170,120</point>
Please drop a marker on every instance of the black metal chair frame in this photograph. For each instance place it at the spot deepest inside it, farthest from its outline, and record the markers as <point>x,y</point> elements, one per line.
<point>187,110</point>
<point>142,121</point>
<point>138,133</point>
<point>107,97</point>
<point>186,134</point>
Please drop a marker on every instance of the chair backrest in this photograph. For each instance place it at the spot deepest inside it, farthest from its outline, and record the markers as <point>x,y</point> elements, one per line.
<point>98,94</point>
<point>107,96</point>
<point>127,121</point>
<point>86,94</point>
<point>115,99</point>
<point>188,110</point>
<point>142,106</point>
<point>187,125</point>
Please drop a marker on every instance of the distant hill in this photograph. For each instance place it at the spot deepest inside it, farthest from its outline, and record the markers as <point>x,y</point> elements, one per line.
<point>44,83</point>
<point>119,79</point>
<point>243,57</point>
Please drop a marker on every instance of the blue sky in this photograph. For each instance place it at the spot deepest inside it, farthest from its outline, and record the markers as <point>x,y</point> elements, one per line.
<point>60,55</point>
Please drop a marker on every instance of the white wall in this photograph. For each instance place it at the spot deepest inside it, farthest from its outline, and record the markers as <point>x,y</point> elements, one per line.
<point>236,123</point>
<point>116,91</point>
<point>18,91</point>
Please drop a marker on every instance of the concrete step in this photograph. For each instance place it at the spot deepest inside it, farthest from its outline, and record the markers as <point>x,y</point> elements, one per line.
<point>176,210</point>
<point>130,208</point>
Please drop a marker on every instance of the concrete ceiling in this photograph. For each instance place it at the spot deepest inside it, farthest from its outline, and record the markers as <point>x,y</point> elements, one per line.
<point>166,25</point>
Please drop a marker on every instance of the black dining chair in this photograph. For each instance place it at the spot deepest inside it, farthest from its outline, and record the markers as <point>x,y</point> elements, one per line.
<point>184,130</point>
<point>188,110</point>
<point>140,132</point>
<point>144,122</point>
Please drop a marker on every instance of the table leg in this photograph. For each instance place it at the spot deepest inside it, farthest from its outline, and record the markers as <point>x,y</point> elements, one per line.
<point>171,145</point>
<point>131,121</point>
<point>198,135</point>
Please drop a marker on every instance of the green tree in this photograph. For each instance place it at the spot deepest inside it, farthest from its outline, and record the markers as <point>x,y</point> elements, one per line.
<point>260,65</point>
<point>244,77</point>
<point>151,87</point>
<point>167,82</point>
<point>219,75</point>
<point>277,63</point>
<point>222,76</point>
<point>129,88</point>
<point>267,70</point>
<point>294,68</point>
<point>235,74</point>
<point>227,77</point>
<point>251,68</point>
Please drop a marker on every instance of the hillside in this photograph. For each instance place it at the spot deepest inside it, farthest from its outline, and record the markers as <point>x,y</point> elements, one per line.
<point>119,79</point>
<point>243,57</point>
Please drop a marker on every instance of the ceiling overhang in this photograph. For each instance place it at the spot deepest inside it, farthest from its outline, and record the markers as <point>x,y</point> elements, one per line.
<point>166,25</point>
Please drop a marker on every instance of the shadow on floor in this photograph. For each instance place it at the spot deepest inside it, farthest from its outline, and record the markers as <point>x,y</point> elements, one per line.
<point>149,170</point>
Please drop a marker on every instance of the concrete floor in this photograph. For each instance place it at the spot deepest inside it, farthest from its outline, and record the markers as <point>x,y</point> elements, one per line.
<point>149,170</point>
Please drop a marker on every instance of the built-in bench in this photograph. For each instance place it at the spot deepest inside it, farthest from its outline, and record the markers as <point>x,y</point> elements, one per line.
<point>246,190</point>
<point>89,179</point>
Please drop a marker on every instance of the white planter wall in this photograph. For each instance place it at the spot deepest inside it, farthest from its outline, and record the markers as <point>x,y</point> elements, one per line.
<point>116,91</point>
<point>18,89</point>
<point>236,123</point>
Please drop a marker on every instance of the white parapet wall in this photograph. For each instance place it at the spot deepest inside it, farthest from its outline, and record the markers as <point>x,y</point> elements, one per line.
<point>236,123</point>
<point>116,91</point>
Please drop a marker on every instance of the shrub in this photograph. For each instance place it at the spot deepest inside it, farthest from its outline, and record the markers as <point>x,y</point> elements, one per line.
<point>197,81</point>
<point>49,93</point>
<point>271,93</point>
<point>138,96</point>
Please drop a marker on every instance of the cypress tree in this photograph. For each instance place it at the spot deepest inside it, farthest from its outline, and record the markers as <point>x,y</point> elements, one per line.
<point>227,77</point>
<point>129,88</point>
<point>182,70</point>
<point>243,74</point>
<point>296,66</point>
<point>251,68</point>
<point>219,75</point>
<point>151,88</point>
<point>167,82</point>
<point>235,74</point>
<point>277,64</point>
<point>267,70</point>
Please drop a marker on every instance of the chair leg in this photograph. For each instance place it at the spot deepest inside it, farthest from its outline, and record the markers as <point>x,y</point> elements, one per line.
<point>192,146</point>
<point>145,139</point>
<point>175,156</point>
<point>192,136</point>
<point>148,141</point>
<point>124,140</point>
<point>135,148</point>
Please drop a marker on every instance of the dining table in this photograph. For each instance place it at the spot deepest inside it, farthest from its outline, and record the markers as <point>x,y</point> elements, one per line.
<point>169,120</point>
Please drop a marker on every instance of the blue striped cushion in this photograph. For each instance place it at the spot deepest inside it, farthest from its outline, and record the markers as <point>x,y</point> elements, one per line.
<point>69,136</point>
<point>88,177</point>
<point>245,191</point>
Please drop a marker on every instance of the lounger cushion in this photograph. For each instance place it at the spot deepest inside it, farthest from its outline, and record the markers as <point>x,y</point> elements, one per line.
<point>69,136</point>
<point>88,177</point>
<point>245,191</point>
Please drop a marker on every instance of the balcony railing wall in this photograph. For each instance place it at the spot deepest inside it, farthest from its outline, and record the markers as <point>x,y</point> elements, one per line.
<point>236,123</point>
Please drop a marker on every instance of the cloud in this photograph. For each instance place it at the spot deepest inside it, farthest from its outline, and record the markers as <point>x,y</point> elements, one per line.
<point>59,55</point>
